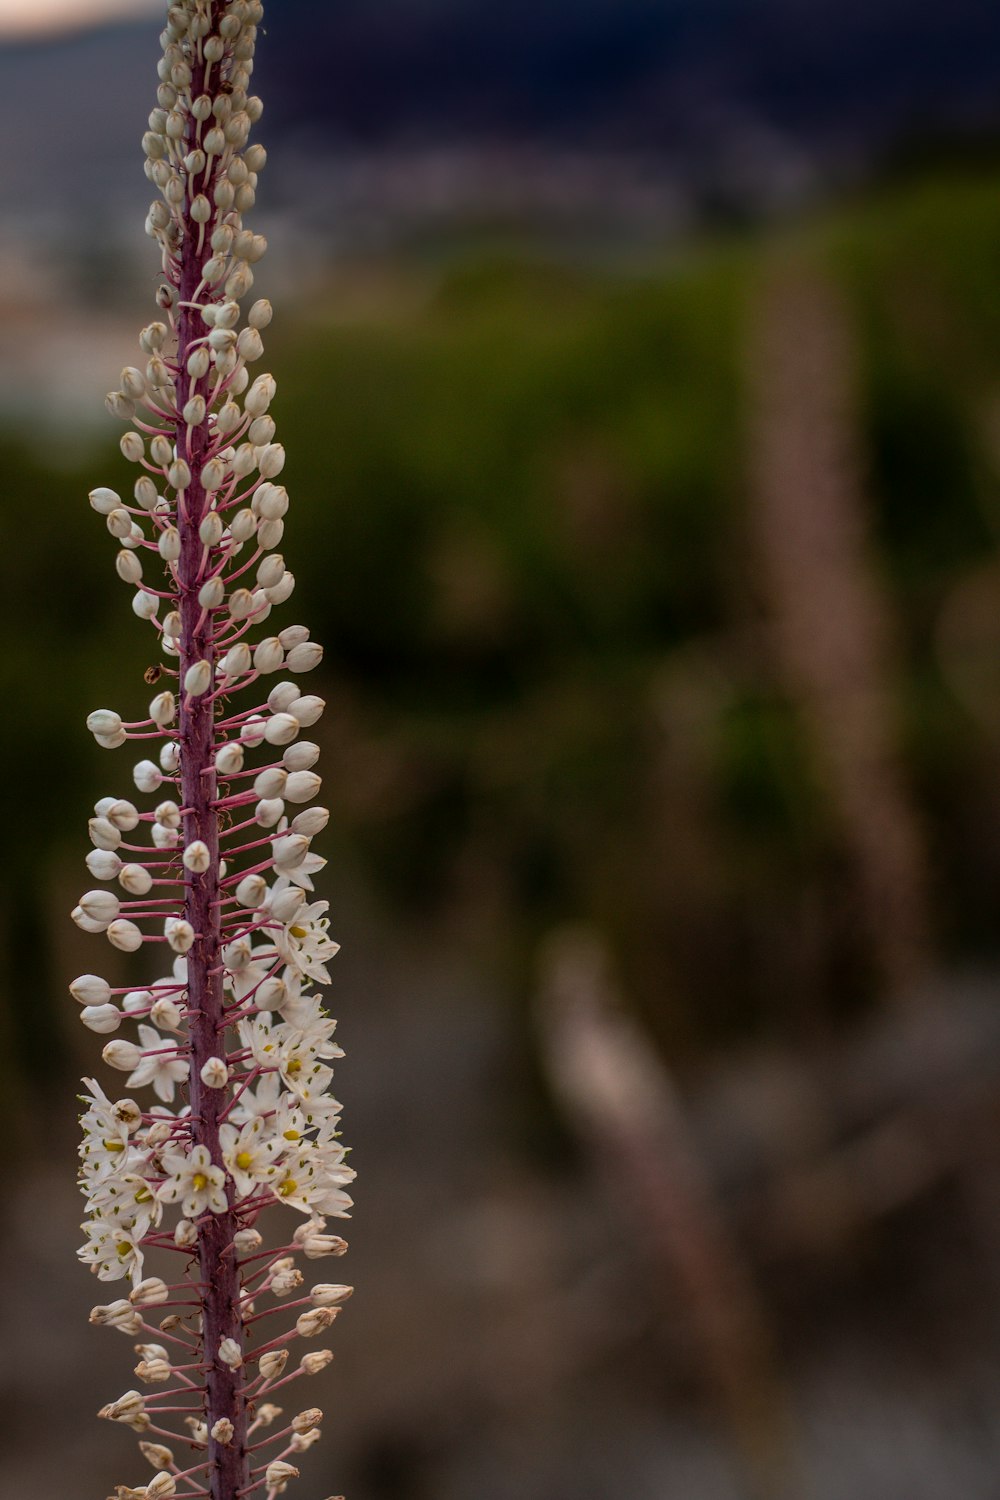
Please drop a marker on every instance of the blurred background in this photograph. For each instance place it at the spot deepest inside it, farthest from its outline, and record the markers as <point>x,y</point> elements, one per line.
<point>639,370</point>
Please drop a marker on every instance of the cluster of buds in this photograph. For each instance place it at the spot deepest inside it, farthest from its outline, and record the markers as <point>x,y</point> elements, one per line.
<point>214,859</point>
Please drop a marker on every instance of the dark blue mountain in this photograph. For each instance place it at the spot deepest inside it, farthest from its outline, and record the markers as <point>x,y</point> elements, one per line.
<point>638,73</point>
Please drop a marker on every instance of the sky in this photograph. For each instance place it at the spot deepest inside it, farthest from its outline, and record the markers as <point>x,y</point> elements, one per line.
<point>27,17</point>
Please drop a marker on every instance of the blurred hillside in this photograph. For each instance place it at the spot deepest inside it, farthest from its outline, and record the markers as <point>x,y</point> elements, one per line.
<point>621,119</point>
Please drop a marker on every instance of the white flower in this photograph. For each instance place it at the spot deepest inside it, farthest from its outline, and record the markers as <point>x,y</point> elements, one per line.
<point>249,1154</point>
<point>159,1066</point>
<point>112,1250</point>
<point>193,1182</point>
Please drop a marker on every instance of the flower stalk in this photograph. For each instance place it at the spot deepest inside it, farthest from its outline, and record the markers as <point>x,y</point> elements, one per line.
<point>234,1040</point>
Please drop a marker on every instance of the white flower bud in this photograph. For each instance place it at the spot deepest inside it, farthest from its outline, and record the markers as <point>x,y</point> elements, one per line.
<point>261,312</point>
<point>125,936</point>
<point>122,814</point>
<point>128,567</point>
<point>301,756</point>
<point>237,660</point>
<point>178,474</point>
<point>170,757</point>
<point>269,572</point>
<point>145,605</point>
<point>269,534</point>
<point>161,450</point>
<point>211,530</point>
<point>252,732</point>
<point>100,906</point>
<point>103,835</point>
<point>117,404</point>
<point>122,1055</point>
<point>165,837</point>
<point>273,1363</point>
<point>305,657</point>
<point>307,709</point>
<point>271,459</point>
<point>280,729</point>
<point>215,1073</point>
<point>282,694</point>
<point>269,811</point>
<point>250,345</point>
<point>283,589</point>
<point>198,678</point>
<point>289,851</point>
<point>104,721</point>
<point>271,501</point>
<point>147,776</point>
<point>302,786</point>
<point>137,1000</point>
<point>241,604</point>
<point>212,593</point>
<point>231,1354</point>
<point>132,383</point>
<point>165,1013</point>
<point>269,655</point>
<point>213,474</point>
<point>90,989</point>
<point>168,544</point>
<point>229,759</point>
<point>132,447</point>
<point>169,814</point>
<point>153,336</point>
<point>270,782</point>
<point>85,923</point>
<point>250,893</point>
<point>236,956</point>
<point>272,994</point>
<point>162,709</point>
<point>198,363</point>
<point>179,934</point>
<point>223,1431</point>
<point>197,857</point>
<point>119,524</point>
<point>102,864</point>
<point>311,822</point>
<point>243,525</point>
<point>101,1018</point>
<point>287,902</point>
<point>135,879</point>
<point>247,1240</point>
<point>186,1234</point>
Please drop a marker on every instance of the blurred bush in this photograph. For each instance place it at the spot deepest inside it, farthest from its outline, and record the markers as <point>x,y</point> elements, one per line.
<point>520,526</point>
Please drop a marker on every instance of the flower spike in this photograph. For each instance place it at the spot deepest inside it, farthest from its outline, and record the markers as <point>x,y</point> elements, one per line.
<point>214,861</point>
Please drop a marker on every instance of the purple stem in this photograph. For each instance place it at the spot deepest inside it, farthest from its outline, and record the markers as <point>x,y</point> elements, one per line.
<point>229,1464</point>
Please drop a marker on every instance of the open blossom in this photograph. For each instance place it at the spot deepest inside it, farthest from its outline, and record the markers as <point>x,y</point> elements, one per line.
<point>205,859</point>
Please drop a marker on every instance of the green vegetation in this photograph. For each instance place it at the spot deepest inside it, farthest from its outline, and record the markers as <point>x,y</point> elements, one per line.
<point>520,528</point>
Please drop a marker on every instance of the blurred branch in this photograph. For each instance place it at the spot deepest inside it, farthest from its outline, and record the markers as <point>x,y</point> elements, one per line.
<point>833,628</point>
<point>622,1102</point>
